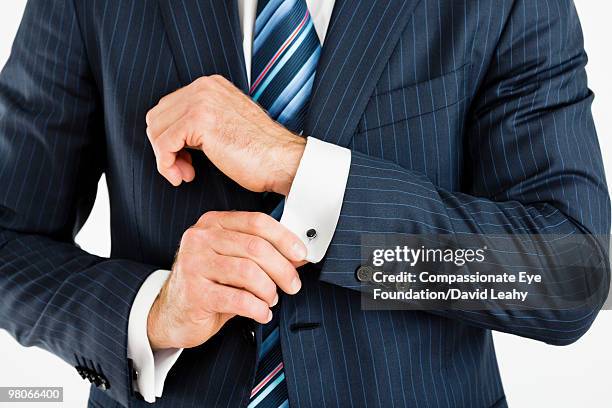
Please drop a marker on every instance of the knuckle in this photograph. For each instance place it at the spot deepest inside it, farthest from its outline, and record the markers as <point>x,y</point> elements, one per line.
<point>256,246</point>
<point>207,218</point>
<point>163,99</point>
<point>258,221</point>
<point>188,235</point>
<point>192,234</point>
<point>238,300</point>
<point>204,218</point>
<point>202,82</point>
<point>217,78</point>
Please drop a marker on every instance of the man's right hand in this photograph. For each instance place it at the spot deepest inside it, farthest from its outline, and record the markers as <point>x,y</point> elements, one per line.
<point>228,264</point>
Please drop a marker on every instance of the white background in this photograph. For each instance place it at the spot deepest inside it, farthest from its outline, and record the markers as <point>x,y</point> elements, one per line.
<point>534,374</point>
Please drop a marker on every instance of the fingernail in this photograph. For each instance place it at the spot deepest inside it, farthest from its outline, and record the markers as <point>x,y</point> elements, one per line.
<point>269,316</point>
<point>299,251</point>
<point>275,301</point>
<point>296,285</point>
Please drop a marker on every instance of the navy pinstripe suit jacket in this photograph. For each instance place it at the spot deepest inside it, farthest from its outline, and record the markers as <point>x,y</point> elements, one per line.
<point>463,116</point>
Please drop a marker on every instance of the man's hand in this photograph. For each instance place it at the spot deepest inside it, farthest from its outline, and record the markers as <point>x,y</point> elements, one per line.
<point>228,264</point>
<point>238,137</point>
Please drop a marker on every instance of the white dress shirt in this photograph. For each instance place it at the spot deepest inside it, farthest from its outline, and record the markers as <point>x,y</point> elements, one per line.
<point>314,201</point>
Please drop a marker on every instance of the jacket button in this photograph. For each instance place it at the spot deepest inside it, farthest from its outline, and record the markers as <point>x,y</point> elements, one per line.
<point>91,376</point>
<point>104,385</point>
<point>81,372</point>
<point>249,335</point>
<point>97,380</point>
<point>364,273</point>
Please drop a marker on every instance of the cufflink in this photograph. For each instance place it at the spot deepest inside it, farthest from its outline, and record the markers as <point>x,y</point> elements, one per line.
<point>311,234</point>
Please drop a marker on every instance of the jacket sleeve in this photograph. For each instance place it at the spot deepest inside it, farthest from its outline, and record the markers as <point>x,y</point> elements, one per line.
<point>52,294</point>
<point>533,166</point>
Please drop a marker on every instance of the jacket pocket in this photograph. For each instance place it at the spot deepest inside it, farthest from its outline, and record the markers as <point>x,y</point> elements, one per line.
<point>415,100</point>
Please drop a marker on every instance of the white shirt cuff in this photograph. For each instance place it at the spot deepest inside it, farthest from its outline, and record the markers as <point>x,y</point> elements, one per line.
<point>315,199</point>
<point>152,367</point>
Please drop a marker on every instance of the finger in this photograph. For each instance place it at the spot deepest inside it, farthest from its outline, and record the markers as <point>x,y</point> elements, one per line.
<point>262,253</point>
<point>182,96</point>
<point>166,148</point>
<point>266,227</point>
<point>228,300</point>
<point>184,163</point>
<point>299,263</point>
<point>167,102</point>
<point>244,274</point>
<point>198,249</point>
<point>158,120</point>
<point>173,174</point>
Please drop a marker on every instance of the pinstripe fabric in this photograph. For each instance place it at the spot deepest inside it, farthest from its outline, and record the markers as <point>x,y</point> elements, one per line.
<point>463,116</point>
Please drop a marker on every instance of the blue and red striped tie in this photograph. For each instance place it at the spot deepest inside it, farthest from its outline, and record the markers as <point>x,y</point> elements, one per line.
<point>286,51</point>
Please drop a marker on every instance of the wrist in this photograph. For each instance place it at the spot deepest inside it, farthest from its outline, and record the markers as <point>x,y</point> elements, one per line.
<point>154,332</point>
<point>289,156</point>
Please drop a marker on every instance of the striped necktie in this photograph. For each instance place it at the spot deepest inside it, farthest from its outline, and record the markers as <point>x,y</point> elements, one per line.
<point>286,51</point>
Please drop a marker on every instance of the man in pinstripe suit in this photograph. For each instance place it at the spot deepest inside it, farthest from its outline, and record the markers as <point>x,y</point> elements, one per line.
<point>394,116</point>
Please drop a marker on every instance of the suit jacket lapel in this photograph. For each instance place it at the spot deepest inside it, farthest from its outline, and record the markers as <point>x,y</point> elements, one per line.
<point>361,38</point>
<point>206,38</point>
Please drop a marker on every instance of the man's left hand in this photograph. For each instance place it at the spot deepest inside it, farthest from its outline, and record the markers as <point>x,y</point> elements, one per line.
<point>236,135</point>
